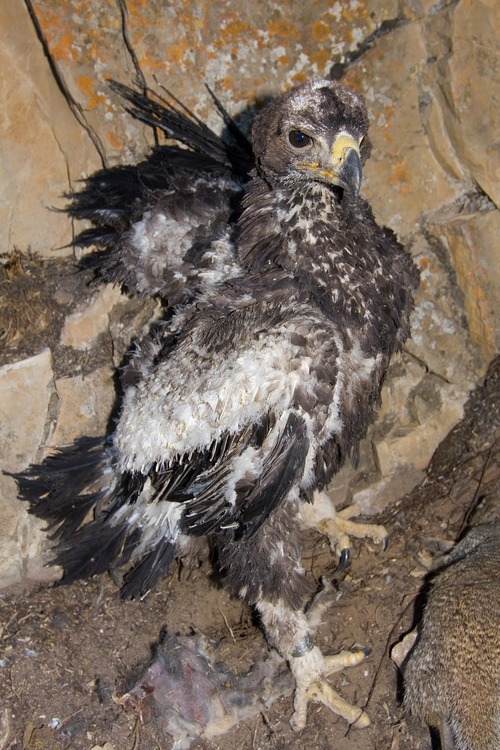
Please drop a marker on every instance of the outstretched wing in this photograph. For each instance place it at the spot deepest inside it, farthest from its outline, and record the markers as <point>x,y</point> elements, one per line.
<point>155,223</point>
<point>177,122</point>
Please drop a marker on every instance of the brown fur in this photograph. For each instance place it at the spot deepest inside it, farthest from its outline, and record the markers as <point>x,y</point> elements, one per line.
<point>452,679</point>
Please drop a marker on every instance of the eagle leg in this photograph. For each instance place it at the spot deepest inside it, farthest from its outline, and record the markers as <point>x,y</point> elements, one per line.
<point>290,632</point>
<point>322,516</point>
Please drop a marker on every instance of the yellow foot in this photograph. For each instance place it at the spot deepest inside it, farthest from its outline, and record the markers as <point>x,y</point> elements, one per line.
<point>337,526</point>
<point>310,672</point>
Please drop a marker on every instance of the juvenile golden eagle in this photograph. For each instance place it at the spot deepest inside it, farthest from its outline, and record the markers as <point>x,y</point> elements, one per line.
<point>240,407</point>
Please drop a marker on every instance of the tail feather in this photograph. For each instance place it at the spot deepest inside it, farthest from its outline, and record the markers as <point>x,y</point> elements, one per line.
<point>79,482</point>
<point>145,575</point>
<point>67,485</point>
<point>91,550</point>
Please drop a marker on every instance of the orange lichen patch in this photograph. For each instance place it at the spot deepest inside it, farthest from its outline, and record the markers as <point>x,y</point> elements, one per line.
<point>114,140</point>
<point>136,8</point>
<point>232,33</point>
<point>86,84</point>
<point>226,83</point>
<point>386,115</point>
<point>385,130</point>
<point>354,78</point>
<point>235,28</point>
<point>353,17</point>
<point>60,40</point>
<point>78,30</point>
<point>268,39</point>
<point>389,112</point>
<point>400,178</point>
<point>173,50</point>
<point>341,25</point>
<point>137,14</point>
<point>176,53</point>
<point>320,31</point>
<point>147,63</point>
<point>299,77</point>
<point>322,58</point>
<point>283,30</point>
<point>284,60</point>
<point>62,48</point>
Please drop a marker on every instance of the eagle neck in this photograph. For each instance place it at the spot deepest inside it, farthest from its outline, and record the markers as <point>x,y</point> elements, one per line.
<point>335,256</point>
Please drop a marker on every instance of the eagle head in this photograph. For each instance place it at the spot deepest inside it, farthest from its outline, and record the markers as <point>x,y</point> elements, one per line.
<point>316,131</point>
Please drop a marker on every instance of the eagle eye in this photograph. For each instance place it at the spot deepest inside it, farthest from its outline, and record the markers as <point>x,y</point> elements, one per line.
<point>298,139</point>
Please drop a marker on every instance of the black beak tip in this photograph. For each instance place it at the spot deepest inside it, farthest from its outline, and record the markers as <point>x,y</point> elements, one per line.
<point>351,170</point>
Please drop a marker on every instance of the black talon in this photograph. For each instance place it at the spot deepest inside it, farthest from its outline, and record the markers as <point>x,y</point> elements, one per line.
<point>385,542</point>
<point>345,557</point>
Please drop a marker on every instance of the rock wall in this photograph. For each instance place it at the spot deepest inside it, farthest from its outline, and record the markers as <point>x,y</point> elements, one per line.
<point>428,71</point>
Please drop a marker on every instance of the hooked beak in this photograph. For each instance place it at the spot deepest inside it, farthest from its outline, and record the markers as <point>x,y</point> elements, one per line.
<point>344,167</point>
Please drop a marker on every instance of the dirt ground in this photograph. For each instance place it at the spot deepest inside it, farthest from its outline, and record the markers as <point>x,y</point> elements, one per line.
<point>66,651</point>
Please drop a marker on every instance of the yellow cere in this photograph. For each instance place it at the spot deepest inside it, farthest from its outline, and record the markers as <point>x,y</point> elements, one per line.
<point>343,142</point>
